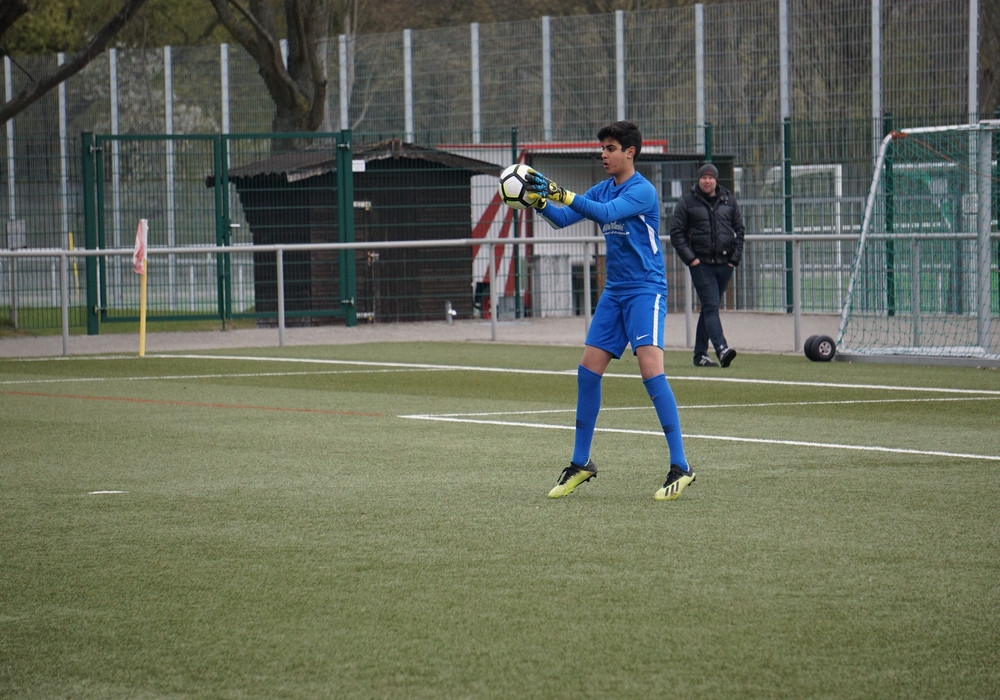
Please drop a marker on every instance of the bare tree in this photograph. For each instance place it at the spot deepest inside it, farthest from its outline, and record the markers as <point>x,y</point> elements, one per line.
<point>297,85</point>
<point>14,10</point>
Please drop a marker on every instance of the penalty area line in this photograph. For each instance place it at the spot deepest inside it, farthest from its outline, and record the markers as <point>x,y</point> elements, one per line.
<point>572,373</point>
<point>724,438</point>
<point>560,373</point>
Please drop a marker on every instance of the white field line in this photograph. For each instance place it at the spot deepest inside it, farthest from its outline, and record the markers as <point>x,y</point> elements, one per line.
<point>713,406</point>
<point>454,418</point>
<point>374,367</point>
<point>557,373</point>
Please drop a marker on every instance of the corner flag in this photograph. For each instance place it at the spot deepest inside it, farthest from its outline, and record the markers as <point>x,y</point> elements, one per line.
<point>139,254</point>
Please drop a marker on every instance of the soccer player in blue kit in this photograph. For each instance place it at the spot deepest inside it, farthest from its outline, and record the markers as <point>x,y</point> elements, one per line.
<point>632,307</point>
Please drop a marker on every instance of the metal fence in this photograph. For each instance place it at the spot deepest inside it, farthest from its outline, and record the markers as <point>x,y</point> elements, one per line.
<point>746,64</point>
<point>793,93</point>
<point>239,191</point>
<point>553,288</point>
<point>247,192</point>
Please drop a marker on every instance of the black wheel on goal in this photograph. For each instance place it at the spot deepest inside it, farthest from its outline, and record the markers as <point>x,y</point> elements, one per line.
<point>824,348</point>
<point>808,347</point>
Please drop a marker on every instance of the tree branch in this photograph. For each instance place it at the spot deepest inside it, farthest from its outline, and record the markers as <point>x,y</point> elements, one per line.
<point>260,44</point>
<point>298,88</point>
<point>31,94</point>
<point>10,12</point>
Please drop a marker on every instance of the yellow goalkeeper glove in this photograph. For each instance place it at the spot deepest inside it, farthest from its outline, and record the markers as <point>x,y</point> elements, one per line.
<point>546,188</point>
<point>536,200</point>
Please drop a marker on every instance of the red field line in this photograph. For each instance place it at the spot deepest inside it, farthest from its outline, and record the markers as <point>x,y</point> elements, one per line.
<point>191,404</point>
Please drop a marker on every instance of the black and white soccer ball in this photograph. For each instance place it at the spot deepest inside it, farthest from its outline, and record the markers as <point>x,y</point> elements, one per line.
<point>514,186</point>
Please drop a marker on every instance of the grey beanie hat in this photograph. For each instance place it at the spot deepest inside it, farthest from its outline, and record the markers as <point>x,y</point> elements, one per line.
<point>708,169</point>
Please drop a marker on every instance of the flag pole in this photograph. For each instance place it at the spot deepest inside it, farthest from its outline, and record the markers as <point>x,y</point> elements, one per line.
<point>142,313</point>
<point>139,264</point>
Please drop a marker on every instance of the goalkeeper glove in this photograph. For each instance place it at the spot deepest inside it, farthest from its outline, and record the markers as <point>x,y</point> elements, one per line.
<point>546,188</point>
<point>536,200</point>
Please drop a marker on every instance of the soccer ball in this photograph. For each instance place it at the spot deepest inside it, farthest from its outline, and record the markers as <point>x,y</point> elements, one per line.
<point>514,186</point>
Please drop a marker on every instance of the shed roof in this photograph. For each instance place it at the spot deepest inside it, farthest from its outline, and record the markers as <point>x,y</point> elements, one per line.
<point>300,165</point>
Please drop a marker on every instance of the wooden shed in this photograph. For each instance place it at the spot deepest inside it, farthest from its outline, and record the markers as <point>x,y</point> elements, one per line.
<point>402,192</point>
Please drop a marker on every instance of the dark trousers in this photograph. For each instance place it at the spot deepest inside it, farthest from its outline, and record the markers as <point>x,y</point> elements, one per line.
<point>710,282</point>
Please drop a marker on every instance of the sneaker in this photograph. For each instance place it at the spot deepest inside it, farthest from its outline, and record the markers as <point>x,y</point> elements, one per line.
<point>726,356</point>
<point>704,361</point>
<point>676,482</point>
<point>571,477</point>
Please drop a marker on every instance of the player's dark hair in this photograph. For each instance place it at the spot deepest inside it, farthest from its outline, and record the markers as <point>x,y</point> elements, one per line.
<point>625,133</point>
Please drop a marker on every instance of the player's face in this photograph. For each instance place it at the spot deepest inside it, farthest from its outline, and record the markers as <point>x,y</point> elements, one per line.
<point>617,161</point>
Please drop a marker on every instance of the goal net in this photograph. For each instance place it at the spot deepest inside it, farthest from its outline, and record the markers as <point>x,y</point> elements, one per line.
<point>924,282</point>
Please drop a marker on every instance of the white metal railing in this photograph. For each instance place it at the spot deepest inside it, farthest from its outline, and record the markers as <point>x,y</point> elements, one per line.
<point>593,244</point>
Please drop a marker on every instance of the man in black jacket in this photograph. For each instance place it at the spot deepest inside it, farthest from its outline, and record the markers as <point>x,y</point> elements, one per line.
<point>707,233</point>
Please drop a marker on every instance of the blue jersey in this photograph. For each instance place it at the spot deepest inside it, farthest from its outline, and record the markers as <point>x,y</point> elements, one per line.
<point>629,217</point>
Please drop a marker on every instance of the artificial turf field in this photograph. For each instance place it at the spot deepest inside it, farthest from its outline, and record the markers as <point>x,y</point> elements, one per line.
<point>371,521</point>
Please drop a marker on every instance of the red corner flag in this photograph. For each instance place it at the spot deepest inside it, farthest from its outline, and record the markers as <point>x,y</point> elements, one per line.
<point>139,255</point>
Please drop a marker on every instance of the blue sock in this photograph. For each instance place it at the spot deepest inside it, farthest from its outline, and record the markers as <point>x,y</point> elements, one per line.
<point>666,410</point>
<point>588,405</point>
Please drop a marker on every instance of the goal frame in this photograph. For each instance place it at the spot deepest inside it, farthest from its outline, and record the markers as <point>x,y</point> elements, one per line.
<point>986,349</point>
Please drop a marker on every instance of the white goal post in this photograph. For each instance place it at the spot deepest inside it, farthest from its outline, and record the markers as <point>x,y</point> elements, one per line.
<point>924,282</point>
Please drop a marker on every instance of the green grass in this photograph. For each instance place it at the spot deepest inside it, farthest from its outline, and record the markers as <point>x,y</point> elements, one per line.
<point>287,531</point>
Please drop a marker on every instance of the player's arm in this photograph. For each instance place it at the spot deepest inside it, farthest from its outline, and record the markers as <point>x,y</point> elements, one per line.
<point>556,217</point>
<point>634,201</point>
<point>539,196</point>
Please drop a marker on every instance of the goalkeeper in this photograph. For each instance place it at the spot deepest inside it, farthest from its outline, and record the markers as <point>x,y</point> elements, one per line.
<point>632,307</point>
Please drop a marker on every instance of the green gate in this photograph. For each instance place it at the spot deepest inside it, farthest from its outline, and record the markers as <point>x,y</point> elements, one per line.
<point>264,192</point>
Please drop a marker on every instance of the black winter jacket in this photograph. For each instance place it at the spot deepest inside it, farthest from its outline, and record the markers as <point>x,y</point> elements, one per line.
<point>709,229</point>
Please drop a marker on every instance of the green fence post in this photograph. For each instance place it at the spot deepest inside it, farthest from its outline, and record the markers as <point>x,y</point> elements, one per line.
<point>87,154</point>
<point>890,245</point>
<point>101,307</point>
<point>223,235</point>
<point>345,227</point>
<point>708,142</point>
<point>786,136</point>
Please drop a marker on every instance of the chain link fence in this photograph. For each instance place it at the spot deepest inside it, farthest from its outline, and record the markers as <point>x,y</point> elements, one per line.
<point>792,94</point>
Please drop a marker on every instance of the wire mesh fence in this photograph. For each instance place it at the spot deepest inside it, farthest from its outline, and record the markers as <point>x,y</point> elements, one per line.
<point>791,94</point>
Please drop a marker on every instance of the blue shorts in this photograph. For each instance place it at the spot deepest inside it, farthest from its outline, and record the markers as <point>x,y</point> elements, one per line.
<point>621,319</point>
